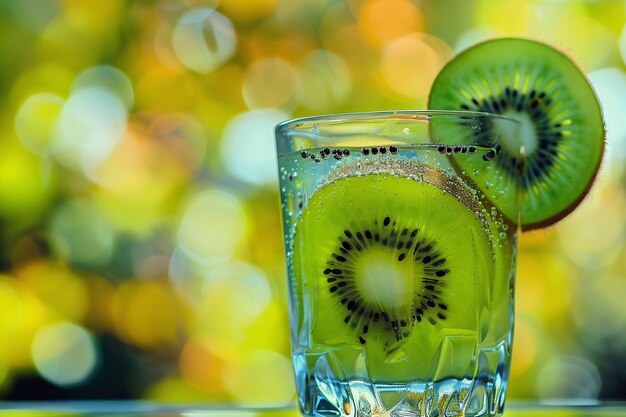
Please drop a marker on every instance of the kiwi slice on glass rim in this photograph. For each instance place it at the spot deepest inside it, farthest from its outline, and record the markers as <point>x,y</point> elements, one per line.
<point>393,262</point>
<point>561,125</point>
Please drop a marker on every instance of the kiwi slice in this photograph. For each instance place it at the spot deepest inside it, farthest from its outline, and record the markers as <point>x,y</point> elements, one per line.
<point>561,125</point>
<point>394,264</point>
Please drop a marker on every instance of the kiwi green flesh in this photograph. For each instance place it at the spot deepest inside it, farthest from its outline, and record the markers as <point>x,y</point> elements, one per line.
<point>561,126</point>
<point>396,272</point>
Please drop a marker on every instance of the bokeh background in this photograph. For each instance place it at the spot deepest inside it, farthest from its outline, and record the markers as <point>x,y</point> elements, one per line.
<point>141,252</point>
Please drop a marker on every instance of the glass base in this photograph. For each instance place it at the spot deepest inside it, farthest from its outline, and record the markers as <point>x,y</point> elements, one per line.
<point>451,397</point>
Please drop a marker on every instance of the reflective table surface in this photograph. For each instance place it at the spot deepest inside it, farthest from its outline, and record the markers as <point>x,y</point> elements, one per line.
<point>148,409</point>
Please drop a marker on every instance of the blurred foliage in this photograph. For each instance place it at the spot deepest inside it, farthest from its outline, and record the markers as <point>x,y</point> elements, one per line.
<point>141,250</point>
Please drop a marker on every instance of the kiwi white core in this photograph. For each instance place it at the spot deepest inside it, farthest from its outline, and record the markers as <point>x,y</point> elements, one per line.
<point>383,280</point>
<point>524,136</point>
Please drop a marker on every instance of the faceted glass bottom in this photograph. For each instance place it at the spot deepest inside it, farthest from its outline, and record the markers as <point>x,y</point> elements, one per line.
<point>451,397</point>
<point>322,394</point>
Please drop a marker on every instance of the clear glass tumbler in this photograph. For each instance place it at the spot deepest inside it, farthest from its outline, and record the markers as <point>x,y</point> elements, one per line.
<point>400,234</point>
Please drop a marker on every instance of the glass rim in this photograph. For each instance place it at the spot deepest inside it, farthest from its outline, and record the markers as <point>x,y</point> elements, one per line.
<point>334,118</point>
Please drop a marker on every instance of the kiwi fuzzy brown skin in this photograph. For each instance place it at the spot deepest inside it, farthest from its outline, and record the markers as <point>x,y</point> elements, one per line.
<point>591,176</point>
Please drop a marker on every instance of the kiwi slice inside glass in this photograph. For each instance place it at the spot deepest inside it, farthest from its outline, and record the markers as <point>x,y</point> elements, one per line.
<point>393,266</point>
<point>561,125</point>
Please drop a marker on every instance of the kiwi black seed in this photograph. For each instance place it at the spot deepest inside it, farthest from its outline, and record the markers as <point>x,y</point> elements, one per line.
<point>411,248</point>
<point>560,120</point>
<point>387,272</point>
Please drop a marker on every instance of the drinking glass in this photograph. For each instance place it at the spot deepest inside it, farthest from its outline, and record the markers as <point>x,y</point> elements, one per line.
<point>400,233</point>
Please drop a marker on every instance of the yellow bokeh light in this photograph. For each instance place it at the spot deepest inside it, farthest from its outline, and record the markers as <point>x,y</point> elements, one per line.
<point>340,34</point>
<point>564,32</point>
<point>35,121</point>
<point>248,10</point>
<point>270,329</point>
<point>212,226</point>
<point>61,291</point>
<point>498,17</point>
<point>524,347</point>
<point>246,379</point>
<point>163,47</point>
<point>409,64</point>
<point>93,17</point>
<point>235,294</point>
<point>21,316</point>
<point>183,140</point>
<point>146,314</point>
<point>200,367</point>
<point>4,373</point>
<point>536,238</point>
<point>270,82</point>
<point>100,293</point>
<point>136,182</point>
<point>265,247</point>
<point>599,220</point>
<point>165,89</point>
<point>26,184</point>
<point>544,286</point>
<point>622,44</point>
<point>177,390</point>
<point>588,314</point>
<point>46,78</point>
<point>326,80</point>
<point>72,41</point>
<point>382,21</point>
<point>10,309</point>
